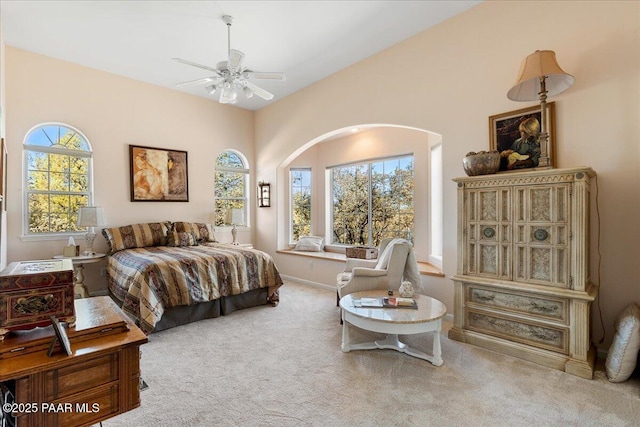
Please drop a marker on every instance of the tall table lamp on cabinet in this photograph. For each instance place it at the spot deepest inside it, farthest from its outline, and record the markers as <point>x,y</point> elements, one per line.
<point>90,217</point>
<point>540,76</point>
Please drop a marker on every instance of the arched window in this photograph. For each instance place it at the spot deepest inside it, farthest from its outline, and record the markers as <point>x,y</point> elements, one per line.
<point>58,178</point>
<point>231,184</point>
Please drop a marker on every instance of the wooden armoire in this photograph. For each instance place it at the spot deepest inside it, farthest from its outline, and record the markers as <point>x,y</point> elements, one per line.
<point>522,285</point>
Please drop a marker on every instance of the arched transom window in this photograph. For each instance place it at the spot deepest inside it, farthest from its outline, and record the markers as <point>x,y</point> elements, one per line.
<point>231,183</point>
<point>58,178</point>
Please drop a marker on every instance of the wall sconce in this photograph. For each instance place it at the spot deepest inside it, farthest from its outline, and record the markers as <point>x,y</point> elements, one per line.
<point>264,195</point>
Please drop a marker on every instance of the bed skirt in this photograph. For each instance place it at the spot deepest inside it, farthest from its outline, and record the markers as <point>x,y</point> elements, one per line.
<point>183,314</point>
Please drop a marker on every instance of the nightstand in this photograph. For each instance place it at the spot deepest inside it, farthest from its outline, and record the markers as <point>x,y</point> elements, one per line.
<point>79,288</point>
<point>242,245</point>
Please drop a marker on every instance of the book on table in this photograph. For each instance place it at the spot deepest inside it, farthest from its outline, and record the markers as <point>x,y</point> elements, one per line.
<point>398,302</point>
<point>391,302</point>
<point>368,302</point>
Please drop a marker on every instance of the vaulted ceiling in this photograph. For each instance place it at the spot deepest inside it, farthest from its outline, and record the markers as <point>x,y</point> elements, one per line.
<point>307,40</point>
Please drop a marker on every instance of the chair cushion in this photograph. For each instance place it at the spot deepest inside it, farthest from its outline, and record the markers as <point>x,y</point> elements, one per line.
<point>623,354</point>
<point>383,259</point>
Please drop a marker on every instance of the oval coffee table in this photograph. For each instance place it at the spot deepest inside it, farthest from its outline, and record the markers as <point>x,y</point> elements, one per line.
<point>394,322</point>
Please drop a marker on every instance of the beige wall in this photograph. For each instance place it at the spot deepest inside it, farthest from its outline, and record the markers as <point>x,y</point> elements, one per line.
<point>3,237</point>
<point>449,79</point>
<point>114,112</point>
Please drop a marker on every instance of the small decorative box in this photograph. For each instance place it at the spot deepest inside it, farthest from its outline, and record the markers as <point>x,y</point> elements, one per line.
<point>33,291</point>
<point>362,252</point>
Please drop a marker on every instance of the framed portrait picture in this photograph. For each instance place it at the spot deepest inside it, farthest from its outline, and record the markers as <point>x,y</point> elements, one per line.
<point>61,336</point>
<point>158,175</point>
<point>516,135</point>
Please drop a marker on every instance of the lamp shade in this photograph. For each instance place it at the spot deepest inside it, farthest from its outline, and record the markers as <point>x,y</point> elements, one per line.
<point>91,216</point>
<point>541,63</point>
<point>235,216</point>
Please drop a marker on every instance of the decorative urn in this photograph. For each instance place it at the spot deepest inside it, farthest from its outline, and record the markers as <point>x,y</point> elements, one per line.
<point>481,163</point>
<point>406,289</point>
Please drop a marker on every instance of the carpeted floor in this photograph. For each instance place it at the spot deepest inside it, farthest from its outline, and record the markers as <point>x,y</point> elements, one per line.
<point>283,366</point>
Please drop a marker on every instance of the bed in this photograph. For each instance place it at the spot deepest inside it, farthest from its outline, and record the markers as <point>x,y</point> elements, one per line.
<point>168,274</point>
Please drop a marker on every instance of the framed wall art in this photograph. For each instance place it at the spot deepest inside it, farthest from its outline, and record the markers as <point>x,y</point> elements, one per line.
<point>158,175</point>
<point>516,135</point>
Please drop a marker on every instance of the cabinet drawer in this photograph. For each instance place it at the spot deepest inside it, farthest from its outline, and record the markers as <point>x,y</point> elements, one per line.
<point>85,408</point>
<point>548,308</point>
<point>80,376</point>
<point>530,333</point>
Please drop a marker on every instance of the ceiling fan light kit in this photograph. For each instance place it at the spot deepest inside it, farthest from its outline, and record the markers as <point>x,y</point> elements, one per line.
<point>230,77</point>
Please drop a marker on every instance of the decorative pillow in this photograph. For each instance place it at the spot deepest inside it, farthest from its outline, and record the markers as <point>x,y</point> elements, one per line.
<point>309,244</point>
<point>181,238</point>
<point>623,354</point>
<point>202,232</point>
<point>136,236</point>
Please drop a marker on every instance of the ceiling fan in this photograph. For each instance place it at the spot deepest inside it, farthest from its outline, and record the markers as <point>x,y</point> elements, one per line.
<point>230,77</point>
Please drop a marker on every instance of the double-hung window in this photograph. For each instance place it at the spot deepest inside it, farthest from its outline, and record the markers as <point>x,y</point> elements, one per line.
<point>231,183</point>
<point>58,179</point>
<point>372,200</point>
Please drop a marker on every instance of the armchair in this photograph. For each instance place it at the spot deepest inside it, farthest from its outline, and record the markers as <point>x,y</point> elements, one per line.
<point>396,262</point>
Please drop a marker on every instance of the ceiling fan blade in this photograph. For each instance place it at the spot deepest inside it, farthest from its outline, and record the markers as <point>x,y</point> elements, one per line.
<point>235,59</point>
<point>259,91</point>
<point>212,80</point>
<point>193,64</point>
<point>264,75</point>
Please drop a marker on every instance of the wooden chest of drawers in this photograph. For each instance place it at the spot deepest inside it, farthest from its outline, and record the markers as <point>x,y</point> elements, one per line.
<point>33,291</point>
<point>522,285</point>
<point>98,381</point>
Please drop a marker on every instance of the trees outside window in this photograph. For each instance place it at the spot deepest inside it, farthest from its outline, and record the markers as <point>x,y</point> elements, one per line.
<point>231,181</point>
<point>371,201</point>
<point>300,203</point>
<point>58,162</point>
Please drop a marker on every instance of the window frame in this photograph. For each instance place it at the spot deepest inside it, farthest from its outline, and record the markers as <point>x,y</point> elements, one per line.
<point>26,149</point>
<point>369,172</point>
<point>292,241</point>
<point>247,190</point>
<point>436,203</point>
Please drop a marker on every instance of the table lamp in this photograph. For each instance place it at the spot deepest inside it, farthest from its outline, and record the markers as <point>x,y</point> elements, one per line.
<point>540,76</point>
<point>90,217</point>
<point>235,217</point>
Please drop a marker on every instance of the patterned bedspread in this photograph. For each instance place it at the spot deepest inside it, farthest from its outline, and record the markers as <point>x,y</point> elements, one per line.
<point>150,280</point>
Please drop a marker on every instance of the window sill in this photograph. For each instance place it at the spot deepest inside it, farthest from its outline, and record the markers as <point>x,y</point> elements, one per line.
<point>45,237</point>
<point>425,268</point>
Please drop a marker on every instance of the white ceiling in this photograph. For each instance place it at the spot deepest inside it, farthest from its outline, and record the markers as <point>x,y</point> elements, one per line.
<point>307,40</point>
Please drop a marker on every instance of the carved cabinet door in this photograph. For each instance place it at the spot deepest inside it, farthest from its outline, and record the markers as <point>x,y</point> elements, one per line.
<point>488,232</point>
<point>542,231</point>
